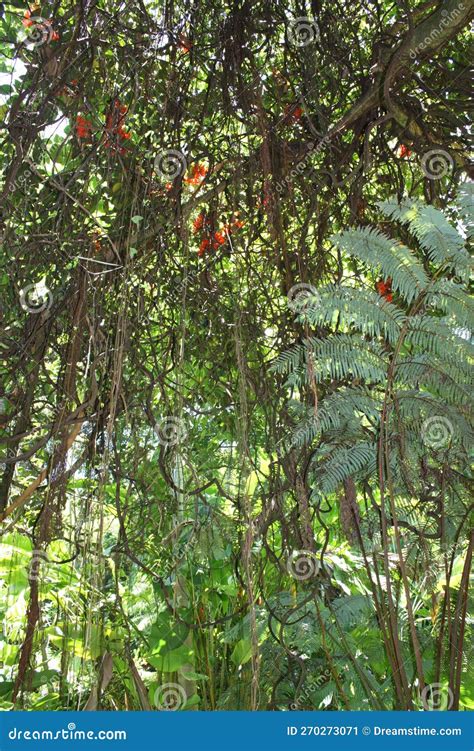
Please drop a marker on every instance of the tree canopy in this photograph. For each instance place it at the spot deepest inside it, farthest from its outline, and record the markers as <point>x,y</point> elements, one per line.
<point>237,344</point>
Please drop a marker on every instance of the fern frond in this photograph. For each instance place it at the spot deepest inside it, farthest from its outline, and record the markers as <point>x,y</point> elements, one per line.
<point>442,378</point>
<point>415,407</point>
<point>343,356</point>
<point>341,463</point>
<point>437,337</point>
<point>289,360</point>
<point>454,300</point>
<point>435,234</point>
<point>362,309</point>
<point>394,259</point>
<point>465,205</point>
<point>336,410</point>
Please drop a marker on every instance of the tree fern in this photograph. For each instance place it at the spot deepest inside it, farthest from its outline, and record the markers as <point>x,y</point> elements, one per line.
<point>424,349</point>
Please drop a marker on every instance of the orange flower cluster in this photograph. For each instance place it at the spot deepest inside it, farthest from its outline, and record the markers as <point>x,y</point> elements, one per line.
<point>83,127</point>
<point>96,242</point>
<point>384,288</point>
<point>114,127</point>
<point>404,151</point>
<point>198,173</point>
<point>292,114</point>
<point>184,44</point>
<point>29,20</point>
<point>213,240</point>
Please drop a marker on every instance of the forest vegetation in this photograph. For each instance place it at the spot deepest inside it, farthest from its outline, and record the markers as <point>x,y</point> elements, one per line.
<point>236,381</point>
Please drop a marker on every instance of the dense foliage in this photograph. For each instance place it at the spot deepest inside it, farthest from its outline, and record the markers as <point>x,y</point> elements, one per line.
<point>237,342</point>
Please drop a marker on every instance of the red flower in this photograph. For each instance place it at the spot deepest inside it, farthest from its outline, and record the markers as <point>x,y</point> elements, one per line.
<point>219,239</point>
<point>198,173</point>
<point>198,223</point>
<point>184,44</point>
<point>114,126</point>
<point>27,22</point>
<point>83,127</point>
<point>404,151</point>
<point>203,246</point>
<point>384,288</point>
<point>292,113</point>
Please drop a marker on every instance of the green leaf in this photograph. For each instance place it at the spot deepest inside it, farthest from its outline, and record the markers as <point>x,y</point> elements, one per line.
<point>173,660</point>
<point>242,652</point>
